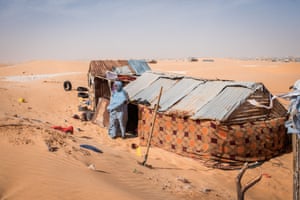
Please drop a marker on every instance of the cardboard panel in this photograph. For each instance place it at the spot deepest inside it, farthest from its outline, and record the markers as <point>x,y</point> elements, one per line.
<point>101,116</point>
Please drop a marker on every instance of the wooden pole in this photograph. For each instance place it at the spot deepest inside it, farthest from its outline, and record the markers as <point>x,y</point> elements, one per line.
<point>152,126</point>
<point>296,166</point>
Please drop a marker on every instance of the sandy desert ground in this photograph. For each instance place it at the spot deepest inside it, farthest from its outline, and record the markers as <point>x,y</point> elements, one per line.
<point>28,170</point>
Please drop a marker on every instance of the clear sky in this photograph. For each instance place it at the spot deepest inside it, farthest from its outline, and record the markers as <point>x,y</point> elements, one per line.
<point>112,29</point>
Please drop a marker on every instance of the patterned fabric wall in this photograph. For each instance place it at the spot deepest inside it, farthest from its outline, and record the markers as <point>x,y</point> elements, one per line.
<point>200,139</point>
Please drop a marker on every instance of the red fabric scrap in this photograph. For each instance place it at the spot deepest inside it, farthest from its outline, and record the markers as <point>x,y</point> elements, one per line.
<point>68,129</point>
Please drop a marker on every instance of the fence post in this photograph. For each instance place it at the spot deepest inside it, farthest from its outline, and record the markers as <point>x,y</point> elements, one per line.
<point>296,177</point>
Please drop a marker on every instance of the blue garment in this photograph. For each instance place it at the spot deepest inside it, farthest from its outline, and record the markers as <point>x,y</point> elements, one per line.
<point>293,124</point>
<point>90,147</point>
<point>117,109</point>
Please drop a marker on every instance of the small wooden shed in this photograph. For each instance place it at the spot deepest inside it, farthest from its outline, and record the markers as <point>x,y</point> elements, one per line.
<point>209,119</point>
<point>102,74</point>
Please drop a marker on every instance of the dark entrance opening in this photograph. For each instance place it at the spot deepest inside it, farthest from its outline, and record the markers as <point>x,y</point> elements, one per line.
<point>132,123</point>
<point>102,90</point>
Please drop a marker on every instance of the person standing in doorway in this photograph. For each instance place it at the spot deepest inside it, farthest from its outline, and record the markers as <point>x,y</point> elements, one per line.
<point>118,111</point>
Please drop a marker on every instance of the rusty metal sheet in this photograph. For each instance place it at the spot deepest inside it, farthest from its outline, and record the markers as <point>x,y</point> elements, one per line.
<point>222,105</point>
<point>99,67</point>
<point>150,93</point>
<point>205,92</point>
<point>178,91</point>
<point>140,84</point>
<point>150,81</point>
<point>196,98</point>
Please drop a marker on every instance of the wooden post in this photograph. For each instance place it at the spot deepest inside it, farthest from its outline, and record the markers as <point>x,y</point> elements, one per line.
<point>296,168</point>
<point>152,126</point>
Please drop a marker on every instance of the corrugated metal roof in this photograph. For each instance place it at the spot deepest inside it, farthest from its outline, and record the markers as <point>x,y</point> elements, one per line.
<point>150,93</point>
<point>177,92</point>
<point>223,104</point>
<point>205,92</point>
<point>99,67</point>
<point>139,66</point>
<point>140,84</point>
<point>197,98</point>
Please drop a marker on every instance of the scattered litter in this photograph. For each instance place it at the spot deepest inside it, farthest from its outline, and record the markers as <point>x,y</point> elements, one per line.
<point>187,187</point>
<point>166,185</point>
<point>266,175</point>
<point>87,102</point>
<point>21,100</point>
<point>137,171</point>
<point>82,108</point>
<point>90,147</point>
<point>86,137</point>
<point>134,146</point>
<point>79,129</point>
<point>68,129</point>
<point>206,190</point>
<point>138,151</point>
<point>75,116</point>
<point>182,179</point>
<point>50,148</point>
<point>92,167</point>
<point>89,115</point>
<point>83,116</point>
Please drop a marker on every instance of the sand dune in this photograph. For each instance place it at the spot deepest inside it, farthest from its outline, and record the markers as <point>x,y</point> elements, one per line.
<point>28,170</point>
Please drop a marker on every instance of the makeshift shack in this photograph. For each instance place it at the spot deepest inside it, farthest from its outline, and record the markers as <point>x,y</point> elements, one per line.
<point>209,119</point>
<point>101,75</point>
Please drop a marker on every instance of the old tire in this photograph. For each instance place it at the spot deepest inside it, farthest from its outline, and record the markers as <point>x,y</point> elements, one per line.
<point>67,86</point>
<point>82,89</point>
<point>83,95</point>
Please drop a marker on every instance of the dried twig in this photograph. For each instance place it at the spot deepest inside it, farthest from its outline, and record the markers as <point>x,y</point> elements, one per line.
<point>240,189</point>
